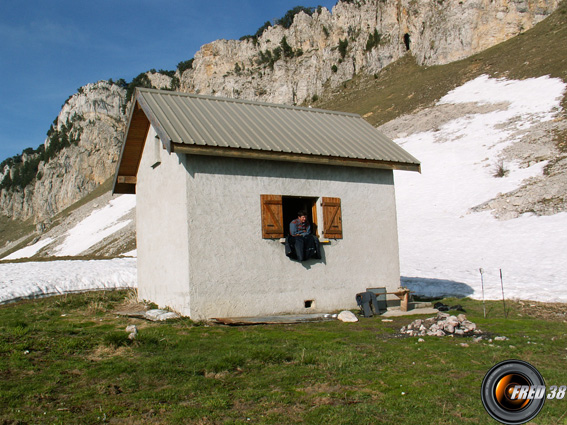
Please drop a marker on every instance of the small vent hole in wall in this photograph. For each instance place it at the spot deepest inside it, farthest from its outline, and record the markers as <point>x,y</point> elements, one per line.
<point>308,303</point>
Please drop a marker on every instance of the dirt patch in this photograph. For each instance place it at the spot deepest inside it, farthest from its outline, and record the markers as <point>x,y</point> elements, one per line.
<point>131,306</point>
<point>545,194</point>
<point>545,311</point>
<point>431,119</point>
<point>323,388</point>
<point>104,352</point>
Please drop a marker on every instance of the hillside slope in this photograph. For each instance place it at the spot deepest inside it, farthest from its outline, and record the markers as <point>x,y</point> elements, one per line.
<point>402,89</point>
<point>99,226</point>
<point>360,37</point>
<point>405,87</point>
<point>402,98</point>
<point>445,238</point>
<point>444,242</point>
<point>295,61</point>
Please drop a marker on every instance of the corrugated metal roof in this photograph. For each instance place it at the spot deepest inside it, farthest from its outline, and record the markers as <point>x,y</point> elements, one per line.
<point>207,121</point>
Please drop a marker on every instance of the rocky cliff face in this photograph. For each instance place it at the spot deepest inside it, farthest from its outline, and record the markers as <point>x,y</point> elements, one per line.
<point>93,117</point>
<point>293,66</point>
<point>358,36</point>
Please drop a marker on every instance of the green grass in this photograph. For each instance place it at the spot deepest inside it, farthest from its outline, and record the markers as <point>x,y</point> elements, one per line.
<point>67,360</point>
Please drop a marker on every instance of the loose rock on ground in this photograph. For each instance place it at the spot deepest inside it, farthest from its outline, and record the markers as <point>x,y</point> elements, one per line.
<point>442,325</point>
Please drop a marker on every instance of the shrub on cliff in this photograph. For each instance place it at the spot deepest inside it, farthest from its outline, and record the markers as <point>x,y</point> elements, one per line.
<point>373,40</point>
<point>288,18</point>
<point>185,65</point>
<point>142,80</point>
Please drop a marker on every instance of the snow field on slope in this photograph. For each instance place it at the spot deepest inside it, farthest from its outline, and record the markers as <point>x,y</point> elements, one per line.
<point>443,246</point>
<point>36,279</point>
<point>100,224</point>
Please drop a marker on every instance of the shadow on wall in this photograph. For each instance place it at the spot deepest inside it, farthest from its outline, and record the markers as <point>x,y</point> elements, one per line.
<point>277,169</point>
<point>436,288</point>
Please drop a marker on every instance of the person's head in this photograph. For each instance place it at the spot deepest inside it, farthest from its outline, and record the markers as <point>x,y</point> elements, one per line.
<point>302,215</point>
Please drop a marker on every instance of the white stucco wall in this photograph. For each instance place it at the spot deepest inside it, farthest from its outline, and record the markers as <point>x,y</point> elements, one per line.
<point>200,245</point>
<point>233,272</point>
<point>162,228</point>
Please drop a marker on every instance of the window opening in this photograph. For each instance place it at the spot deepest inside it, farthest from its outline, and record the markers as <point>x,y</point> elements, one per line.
<point>291,205</point>
<point>308,303</point>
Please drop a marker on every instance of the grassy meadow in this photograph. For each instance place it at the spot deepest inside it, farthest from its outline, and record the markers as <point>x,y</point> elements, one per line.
<point>67,360</point>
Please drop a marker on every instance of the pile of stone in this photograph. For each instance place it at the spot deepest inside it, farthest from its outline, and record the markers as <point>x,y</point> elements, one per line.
<point>442,325</point>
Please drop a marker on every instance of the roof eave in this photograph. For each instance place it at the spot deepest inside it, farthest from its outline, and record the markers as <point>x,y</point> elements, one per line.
<point>292,157</point>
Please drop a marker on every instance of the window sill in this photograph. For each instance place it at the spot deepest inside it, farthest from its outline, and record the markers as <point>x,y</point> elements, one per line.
<point>321,241</point>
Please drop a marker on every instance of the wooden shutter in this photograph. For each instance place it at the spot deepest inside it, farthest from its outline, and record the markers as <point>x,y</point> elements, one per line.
<point>272,216</point>
<point>332,219</point>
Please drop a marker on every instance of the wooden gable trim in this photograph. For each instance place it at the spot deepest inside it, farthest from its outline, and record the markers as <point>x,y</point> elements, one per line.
<point>132,149</point>
<point>126,179</point>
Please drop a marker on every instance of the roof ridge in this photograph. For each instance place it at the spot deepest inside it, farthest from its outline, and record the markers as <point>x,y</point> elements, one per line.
<point>245,101</point>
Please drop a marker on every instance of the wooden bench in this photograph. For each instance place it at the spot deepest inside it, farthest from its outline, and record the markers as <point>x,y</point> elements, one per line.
<point>404,295</point>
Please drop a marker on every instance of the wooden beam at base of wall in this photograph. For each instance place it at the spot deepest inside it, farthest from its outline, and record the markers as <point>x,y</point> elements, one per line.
<point>124,188</point>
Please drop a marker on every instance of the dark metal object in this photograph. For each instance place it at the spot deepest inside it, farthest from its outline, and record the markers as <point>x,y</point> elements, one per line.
<point>380,299</point>
<point>368,303</point>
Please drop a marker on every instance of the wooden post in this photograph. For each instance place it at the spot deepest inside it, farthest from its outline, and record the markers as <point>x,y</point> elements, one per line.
<point>405,301</point>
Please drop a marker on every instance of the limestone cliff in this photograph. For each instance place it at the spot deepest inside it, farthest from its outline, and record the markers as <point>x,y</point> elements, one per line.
<point>293,65</point>
<point>93,124</point>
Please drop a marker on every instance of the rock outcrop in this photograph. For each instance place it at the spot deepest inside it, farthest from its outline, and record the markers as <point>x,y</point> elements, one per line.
<point>94,120</point>
<point>294,65</point>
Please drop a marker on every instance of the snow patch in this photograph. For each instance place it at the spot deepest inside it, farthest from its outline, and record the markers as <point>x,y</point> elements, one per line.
<point>99,225</point>
<point>29,251</point>
<point>39,279</point>
<point>442,244</point>
<point>540,96</point>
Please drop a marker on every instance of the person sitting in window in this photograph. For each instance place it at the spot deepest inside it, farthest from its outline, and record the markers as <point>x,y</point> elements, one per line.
<point>301,244</point>
<point>300,226</point>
